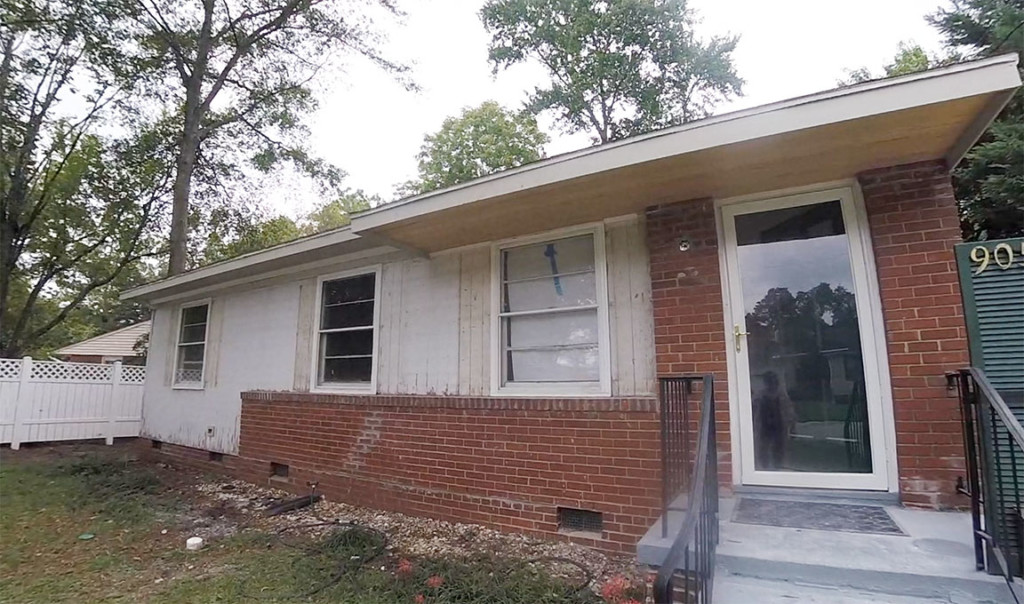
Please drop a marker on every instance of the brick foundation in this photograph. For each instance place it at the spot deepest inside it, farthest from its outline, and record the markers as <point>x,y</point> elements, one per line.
<point>914,226</point>
<point>504,463</point>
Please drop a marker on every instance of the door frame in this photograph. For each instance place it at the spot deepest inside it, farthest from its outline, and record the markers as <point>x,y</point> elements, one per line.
<point>878,386</point>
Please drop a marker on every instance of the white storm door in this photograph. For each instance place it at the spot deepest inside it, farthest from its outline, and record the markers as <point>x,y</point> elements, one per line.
<point>810,404</point>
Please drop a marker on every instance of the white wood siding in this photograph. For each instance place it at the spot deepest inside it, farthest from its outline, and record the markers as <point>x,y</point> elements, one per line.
<point>434,338</point>
<point>251,346</point>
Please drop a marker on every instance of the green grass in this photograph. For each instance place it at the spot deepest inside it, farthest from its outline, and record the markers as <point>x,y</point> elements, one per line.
<point>269,573</point>
<point>46,504</point>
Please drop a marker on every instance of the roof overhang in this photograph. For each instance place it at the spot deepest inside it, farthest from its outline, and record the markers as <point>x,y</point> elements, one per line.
<point>826,137</point>
<point>332,247</point>
<point>835,135</point>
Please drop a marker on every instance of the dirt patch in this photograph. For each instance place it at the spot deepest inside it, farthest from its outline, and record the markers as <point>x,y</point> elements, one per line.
<point>413,536</point>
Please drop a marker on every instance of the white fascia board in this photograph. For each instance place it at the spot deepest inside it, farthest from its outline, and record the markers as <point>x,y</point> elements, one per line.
<point>978,127</point>
<point>843,104</point>
<point>276,252</point>
<point>366,257</point>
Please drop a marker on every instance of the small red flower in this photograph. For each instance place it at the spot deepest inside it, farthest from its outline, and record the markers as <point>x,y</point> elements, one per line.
<point>404,567</point>
<point>435,582</point>
<point>419,599</point>
<point>614,590</point>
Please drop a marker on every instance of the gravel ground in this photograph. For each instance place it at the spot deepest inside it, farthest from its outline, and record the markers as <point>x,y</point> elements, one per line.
<point>236,505</point>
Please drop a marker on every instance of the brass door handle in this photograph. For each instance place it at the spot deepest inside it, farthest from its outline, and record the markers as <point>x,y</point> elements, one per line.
<point>737,334</point>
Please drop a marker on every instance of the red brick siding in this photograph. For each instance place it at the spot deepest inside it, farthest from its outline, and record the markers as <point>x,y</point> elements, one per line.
<point>505,463</point>
<point>84,358</point>
<point>686,290</point>
<point>914,225</point>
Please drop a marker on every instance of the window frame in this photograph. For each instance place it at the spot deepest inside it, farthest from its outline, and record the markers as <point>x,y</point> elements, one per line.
<point>201,384</point>
<point>314,375</point>
<point>602,387</point>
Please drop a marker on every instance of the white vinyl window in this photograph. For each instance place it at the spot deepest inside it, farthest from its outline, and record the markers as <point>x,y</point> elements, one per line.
<point>345,332</point>
<point>552,316</point>
<point>190,356</point>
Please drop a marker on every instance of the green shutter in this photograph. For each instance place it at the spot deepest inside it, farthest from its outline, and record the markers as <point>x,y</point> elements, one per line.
<point>994,309</point>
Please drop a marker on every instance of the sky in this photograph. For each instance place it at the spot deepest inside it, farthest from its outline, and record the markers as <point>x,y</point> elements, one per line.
<point>372,128</point>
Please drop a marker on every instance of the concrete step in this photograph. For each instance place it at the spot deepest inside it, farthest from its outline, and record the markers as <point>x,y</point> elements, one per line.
<point>735,577</point>
<point>933,561</point>
<point>734,589</point>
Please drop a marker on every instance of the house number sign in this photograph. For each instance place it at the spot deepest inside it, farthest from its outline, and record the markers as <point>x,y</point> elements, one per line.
<point>1000,256</point>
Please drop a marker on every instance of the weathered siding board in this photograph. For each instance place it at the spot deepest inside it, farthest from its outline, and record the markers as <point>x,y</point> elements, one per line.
<point>304,340</point>
<point>629,309</point>
<point>390,330</point>
<point>418,341</point>
<point>475,321</point>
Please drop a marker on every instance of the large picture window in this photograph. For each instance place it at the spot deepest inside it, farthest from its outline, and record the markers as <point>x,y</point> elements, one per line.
<point>346,331</point>
<point>191,350</point>
<point>551,315</point>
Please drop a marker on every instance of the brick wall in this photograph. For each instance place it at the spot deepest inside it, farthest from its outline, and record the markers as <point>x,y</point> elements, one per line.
<point>84,358</point>
<point>505,463</point>
<point>686,291</point>
<point>914,225</point>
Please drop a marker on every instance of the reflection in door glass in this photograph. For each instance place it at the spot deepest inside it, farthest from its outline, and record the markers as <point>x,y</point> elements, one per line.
<point>806,365</point>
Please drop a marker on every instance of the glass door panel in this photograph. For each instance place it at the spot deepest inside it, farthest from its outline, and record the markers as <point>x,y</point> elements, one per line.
<point>801,334</point>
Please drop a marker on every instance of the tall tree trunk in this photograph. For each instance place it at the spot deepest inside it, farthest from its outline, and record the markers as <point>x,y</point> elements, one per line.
<point>10,210</point>
<point>195,107</point>
<point>185,165</point>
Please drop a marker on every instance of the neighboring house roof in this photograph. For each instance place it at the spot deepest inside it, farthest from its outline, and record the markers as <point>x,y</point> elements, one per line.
<point>117,343</point>
<point>824,137</point>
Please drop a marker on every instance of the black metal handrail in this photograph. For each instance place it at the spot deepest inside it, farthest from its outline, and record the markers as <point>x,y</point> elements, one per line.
<point>688,569</point>
<point>676,431</point>
<point>994,452</point>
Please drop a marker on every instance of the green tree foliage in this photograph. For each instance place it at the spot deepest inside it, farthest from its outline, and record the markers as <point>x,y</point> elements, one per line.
<point>990,180</point>
<point>79,210</point>
<point>256,236</point>
<point>252,233</point>
<point>338,212</point>
<point>910,58</point>
<point>617,67</point>
<point>480,141</point>
<point>234,80</point>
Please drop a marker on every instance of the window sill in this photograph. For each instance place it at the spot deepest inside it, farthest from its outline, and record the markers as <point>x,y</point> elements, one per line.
<point>553,391</point>
<point>344,389</point>
<point>187,387</point>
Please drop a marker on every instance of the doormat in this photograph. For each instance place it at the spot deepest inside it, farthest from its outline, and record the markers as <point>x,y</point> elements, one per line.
<point>817,516</point>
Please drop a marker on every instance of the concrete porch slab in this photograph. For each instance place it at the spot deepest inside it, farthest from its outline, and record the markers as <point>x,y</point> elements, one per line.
<point>933,561</point>
<point>733,589</point>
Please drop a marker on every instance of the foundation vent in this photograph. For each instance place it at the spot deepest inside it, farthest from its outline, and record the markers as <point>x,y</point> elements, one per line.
<point>574,520</point>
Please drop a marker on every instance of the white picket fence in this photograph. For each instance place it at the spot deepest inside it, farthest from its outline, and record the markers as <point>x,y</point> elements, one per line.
<point>46,401</point>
